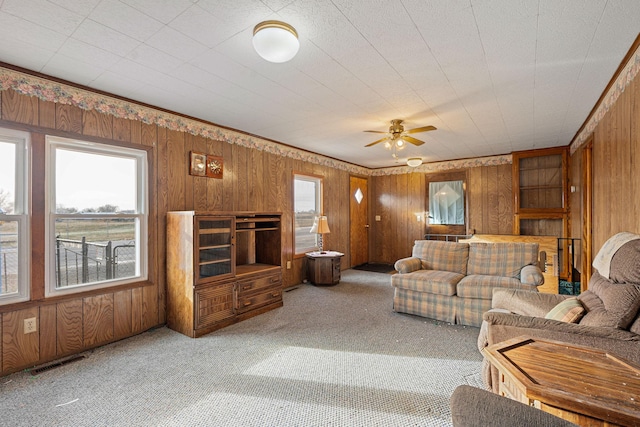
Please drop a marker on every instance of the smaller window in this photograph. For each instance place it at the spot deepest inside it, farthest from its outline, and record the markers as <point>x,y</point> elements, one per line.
<point>307,205</point>
<point>14,220</point>
<point>446,203</point>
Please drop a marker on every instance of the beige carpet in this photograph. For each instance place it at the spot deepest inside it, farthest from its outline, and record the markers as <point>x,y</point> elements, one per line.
<point>333,356</point>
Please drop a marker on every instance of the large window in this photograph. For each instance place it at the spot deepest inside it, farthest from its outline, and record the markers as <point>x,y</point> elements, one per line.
<point>307,205</point>
<point>14,219</point>
<point>96,215</point>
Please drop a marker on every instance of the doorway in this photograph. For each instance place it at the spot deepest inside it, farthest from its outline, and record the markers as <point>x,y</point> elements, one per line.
<point>359,222</point>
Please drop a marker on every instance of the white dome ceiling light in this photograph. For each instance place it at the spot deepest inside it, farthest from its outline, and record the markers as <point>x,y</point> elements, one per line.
<point>414,162</point>
<point>275,41</point>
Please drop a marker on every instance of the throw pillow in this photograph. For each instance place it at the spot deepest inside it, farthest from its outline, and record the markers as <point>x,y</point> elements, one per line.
<point>569,310</point>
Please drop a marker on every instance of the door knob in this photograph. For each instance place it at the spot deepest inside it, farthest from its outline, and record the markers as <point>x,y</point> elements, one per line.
<point>366,226</point>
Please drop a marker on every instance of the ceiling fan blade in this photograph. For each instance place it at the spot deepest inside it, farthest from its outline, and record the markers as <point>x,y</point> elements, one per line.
<point>375,131</point>
<point>375,142</point>
<point>421,129</point>
<point>412,140</point>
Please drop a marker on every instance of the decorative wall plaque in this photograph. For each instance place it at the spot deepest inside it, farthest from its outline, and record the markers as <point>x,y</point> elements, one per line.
<point>206,165</point>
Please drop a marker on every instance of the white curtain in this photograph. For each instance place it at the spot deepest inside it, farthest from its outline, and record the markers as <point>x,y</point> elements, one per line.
<point>446,203</point>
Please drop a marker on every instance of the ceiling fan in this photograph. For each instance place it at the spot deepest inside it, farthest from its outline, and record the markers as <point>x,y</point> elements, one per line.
<point>396,136</point>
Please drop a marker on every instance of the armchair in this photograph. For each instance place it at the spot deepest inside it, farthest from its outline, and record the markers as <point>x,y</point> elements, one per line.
<point>610,318</point>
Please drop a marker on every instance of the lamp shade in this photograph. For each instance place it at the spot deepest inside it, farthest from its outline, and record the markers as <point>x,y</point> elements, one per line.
<point>414,162</point>
<point>275,41</point>
<point>320,225</point>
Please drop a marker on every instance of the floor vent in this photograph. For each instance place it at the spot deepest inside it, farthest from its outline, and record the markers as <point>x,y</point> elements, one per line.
<point>42,369</point>
<point>291,289</point>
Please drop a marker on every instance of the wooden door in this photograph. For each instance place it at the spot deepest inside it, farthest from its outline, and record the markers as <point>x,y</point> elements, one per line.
<point>359,223</point>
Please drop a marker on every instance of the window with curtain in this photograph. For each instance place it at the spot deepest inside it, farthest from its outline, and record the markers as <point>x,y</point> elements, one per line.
<point>446,203</point>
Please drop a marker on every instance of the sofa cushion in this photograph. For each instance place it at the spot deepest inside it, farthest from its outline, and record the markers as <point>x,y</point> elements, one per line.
<point>433,282</point>
<point>569,310</point>
<point>444,256</point>
<point>609,304</point>
<point>501,259</point>
<point>479,286</point>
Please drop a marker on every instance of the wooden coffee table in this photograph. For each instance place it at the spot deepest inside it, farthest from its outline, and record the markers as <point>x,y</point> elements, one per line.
<point>586,386</point>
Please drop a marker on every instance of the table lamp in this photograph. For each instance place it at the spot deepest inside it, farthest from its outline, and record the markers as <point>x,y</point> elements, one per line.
<point>320,227</point>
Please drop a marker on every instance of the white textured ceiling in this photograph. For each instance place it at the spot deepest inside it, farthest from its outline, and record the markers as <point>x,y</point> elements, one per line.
<point>494,76</point>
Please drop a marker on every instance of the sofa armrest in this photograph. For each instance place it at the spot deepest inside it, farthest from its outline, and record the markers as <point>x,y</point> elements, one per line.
<point>407,265</point>
<point>527,303</point>
<point>531,275</point>
<point>474,407</point>
<point>495,318</point>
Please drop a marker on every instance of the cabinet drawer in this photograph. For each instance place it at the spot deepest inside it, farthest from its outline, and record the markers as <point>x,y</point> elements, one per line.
<point>247,286</point>
<point>213,304</point>
<point>250,302</point>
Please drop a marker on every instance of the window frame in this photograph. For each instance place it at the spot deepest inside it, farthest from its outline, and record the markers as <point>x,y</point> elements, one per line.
<point>141,214</point>
<point>21,212</point>
<point>318,180</point>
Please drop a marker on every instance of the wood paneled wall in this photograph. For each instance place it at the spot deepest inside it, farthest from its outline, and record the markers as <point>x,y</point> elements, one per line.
<point>616,180</point>
<point>253,180</point>
<point>398,198</point>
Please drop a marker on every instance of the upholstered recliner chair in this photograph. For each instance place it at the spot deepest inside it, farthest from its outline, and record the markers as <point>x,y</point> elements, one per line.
<point>606,316</point>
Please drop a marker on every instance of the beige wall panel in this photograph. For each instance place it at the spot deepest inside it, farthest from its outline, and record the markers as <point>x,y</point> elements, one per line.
<point>241,170</point>
<point>475,194</point>
<point>136,310</point>
<point>256,181</point>
<point>122,317</point>
<point>69,327</point>
<point>121,129</point>
<point>19,108</point>
<point>68,118</point>
<point>19,350</point>
<point>46,114</point>
<point>47,331</point>
<point>97,319</point>
<point>177,168</point>
<point>149,307</point>
<point>97,124</point>
<point>199,183</point>
<point>634,154</point>
<point>505,203</point>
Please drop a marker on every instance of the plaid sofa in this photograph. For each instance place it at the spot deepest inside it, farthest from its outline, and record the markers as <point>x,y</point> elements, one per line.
<point>454,282</point>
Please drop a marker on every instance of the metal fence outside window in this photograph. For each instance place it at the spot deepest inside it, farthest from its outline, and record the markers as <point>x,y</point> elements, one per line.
<point>8,263</point>
<point>79,261</point>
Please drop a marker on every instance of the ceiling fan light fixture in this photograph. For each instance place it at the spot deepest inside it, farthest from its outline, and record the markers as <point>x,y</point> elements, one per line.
<point>275,41</point>
<point>414,162</point>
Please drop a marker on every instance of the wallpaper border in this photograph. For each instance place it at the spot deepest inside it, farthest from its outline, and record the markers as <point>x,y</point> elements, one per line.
<point>626,76</point>
<point>51,91</point>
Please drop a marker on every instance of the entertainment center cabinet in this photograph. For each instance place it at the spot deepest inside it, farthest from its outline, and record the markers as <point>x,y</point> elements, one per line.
<point>222,268</point>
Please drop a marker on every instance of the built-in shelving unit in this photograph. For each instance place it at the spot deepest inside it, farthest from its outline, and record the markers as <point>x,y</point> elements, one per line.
<point>540,193</point>
<point>222,267</point>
